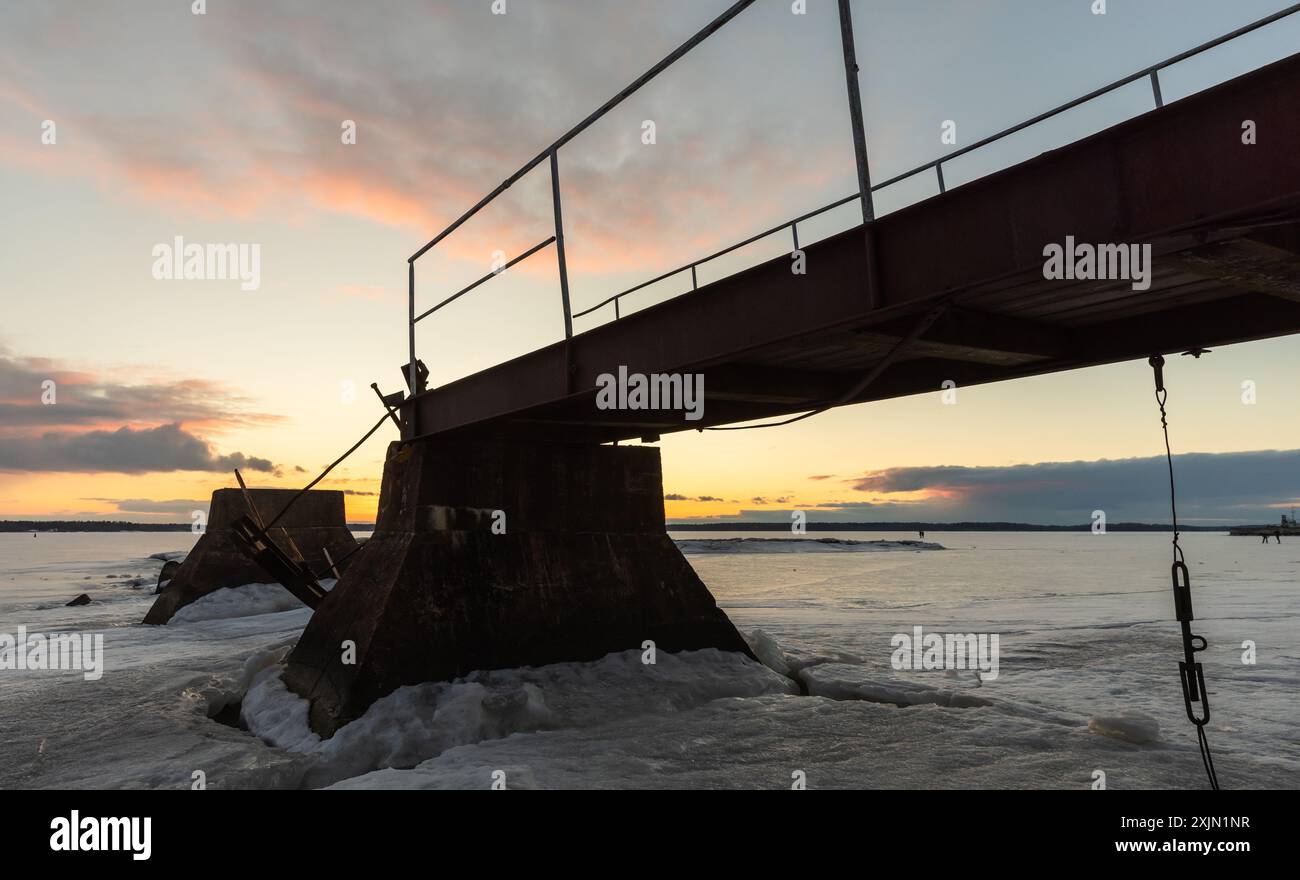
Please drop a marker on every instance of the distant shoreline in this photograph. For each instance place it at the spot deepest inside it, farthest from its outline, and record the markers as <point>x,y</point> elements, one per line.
<point>930,527</point>
<point>116,526</point>
<point>20,525</point>
<point>31,525</point>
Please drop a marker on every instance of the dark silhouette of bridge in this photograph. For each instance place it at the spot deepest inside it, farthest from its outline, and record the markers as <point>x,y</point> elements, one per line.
<point>950,289</point>
<point>510,533</point>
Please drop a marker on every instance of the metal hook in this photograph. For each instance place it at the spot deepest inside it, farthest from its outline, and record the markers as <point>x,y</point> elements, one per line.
<point>1182,592</point>
<point>1193,680</point>
<point>1157,363</point>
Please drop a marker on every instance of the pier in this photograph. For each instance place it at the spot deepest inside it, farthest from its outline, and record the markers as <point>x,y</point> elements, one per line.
<point>1200,196</point>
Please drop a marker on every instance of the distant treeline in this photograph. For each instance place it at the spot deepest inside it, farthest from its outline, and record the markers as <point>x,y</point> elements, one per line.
<point>927,526</point>
<point>54,525</point>
<point>115,525</point>
<point>96,525</point>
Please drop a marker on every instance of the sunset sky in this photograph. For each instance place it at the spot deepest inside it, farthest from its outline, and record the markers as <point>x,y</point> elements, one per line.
<point>225,128</point>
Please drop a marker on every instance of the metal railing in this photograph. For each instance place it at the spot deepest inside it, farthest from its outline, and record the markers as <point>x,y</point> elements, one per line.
<point>551,153</point>
<point>865,191</point>
<point>792,225</point>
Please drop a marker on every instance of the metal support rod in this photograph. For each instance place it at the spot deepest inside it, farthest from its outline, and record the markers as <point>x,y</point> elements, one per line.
<point>700,36</point>
<point>794,233</point>
<point>938,170</point>
<point>415,388</point>
<point>855,111</point>
<point>860,153</point>
<point>257,517</point>
<point>391,414</point>
<point>695,282</point>
<point>872,280</point>
<point>616,314</point>
<point>559,244</point>
<point>883,364</point>
<point>927,320</point>
<point>1155,89</point>
<point>486,278</point>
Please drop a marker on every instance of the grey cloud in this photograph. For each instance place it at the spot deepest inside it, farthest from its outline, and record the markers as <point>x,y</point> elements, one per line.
<point>449,99</point>
<point>1213,488</point>
<point>83,398</point>
<point>149,506</point>
<point>1221,487</point>
<point>126,450</point>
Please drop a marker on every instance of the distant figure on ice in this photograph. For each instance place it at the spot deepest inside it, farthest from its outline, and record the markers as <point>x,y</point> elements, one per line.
<point>1277,534</point>
<point>922,533</point>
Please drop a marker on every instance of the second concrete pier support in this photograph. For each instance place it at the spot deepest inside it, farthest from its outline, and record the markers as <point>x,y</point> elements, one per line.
<point>316,524</point>
<point>495,554</point>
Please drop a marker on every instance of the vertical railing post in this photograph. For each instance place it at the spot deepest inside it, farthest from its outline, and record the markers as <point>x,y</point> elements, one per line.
<point>860,154</point>
<point>794,234</point>
<point>695,281</point>
<point>559,244</point>
<point>855,111</point>
<point>1155,89</point>
<point>938,170</point>
<point>411,419</point>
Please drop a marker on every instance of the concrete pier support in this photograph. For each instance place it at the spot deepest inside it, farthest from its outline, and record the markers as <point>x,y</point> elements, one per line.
<point>316,522</point>
<point>491,554</point>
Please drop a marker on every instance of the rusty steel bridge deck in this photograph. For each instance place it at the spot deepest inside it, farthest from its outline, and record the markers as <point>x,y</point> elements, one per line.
<point>955,287</point>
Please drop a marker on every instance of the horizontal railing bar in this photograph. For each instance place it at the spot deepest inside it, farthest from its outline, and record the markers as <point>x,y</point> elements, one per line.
<point>640,286</point>
<point>489,276</point>
<point>722,253</point>
<point>613,102</point>
<point>1132,78</point>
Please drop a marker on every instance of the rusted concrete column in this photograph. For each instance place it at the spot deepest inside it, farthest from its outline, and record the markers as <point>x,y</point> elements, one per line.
<point>315,522</point>
<point>584,568</point>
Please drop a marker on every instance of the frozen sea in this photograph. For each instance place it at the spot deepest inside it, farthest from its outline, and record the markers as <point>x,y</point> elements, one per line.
<point>1087,679</point>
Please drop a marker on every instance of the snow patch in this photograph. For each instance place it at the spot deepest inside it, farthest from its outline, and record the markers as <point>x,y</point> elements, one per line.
<point>246,601</point>
<point>276,714</point>
<point>417,722</point>
<point>170,555</point>
<point>1131,727</point>
<point>839,681</point>
<point>768,652</point>
<point>221,692</point>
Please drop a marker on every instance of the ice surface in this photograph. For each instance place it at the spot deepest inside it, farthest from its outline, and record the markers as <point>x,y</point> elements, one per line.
<point>1086,634</point>
<point>761,742</point>
<point>1134,728</point>
<point>797,545</point>
<point>421,721</point>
